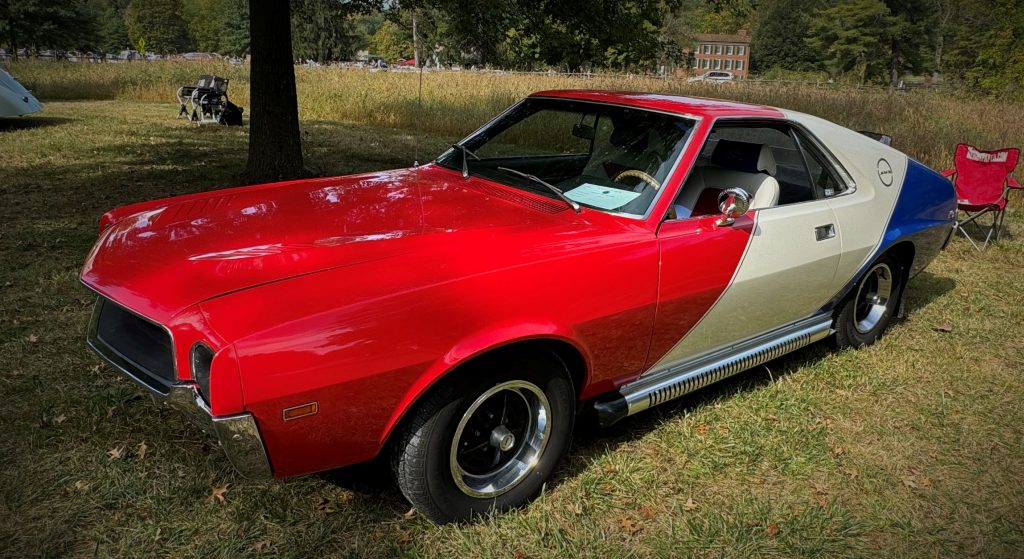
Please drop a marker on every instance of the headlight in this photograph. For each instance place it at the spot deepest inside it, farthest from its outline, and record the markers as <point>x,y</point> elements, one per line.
<point>202,358</point>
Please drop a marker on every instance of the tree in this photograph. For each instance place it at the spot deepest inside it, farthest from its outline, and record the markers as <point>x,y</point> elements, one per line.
<point>320,30</point>
<point>234,40</point>
<point>852,37</point>
<point>112,36</point>
<point>275,147</point>
<point>985,48</point>
<point>42,24</point>
<point>780,35</point>
<point>392,42</point>
<point>159,22</point>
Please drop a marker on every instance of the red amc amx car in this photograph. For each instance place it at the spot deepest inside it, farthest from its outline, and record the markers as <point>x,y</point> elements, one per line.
<point>585,250</point>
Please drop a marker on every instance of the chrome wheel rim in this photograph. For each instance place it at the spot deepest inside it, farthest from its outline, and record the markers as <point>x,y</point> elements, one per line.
<point>500,439</point>
<point>872,300</point>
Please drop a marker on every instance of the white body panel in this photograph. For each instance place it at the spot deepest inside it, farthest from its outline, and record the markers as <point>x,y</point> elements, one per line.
<point>863,215</point>
<point>788,274</point>
<point>15,100</point>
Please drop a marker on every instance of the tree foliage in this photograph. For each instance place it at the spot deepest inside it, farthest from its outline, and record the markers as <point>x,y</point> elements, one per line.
<point>159,22</point>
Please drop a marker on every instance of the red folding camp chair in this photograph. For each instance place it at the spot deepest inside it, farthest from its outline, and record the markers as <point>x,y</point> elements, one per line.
<point>982,181</point>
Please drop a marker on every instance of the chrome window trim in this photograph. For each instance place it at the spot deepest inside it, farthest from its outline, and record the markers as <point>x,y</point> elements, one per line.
<point>661,191</point>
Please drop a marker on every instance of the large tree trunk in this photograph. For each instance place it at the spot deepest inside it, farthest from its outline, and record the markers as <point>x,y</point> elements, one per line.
<point>275,147</point>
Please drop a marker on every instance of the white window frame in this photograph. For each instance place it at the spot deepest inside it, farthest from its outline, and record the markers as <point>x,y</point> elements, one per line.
<point>728,64</point>
<point>741,50</point>
<point>728,50</point>
<point>718,49</point>
<point>718,64</point>
<point>739,64</point>
<point>707,48</point>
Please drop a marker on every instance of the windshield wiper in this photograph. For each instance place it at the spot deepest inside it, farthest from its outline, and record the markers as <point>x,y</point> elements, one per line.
<point>572,203</point>
<point>465,162</point>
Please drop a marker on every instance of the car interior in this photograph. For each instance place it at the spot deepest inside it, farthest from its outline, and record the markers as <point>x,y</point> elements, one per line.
<point>772,162</point>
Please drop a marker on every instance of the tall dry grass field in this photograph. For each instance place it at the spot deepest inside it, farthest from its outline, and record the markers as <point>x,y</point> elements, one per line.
<point>925,125</point>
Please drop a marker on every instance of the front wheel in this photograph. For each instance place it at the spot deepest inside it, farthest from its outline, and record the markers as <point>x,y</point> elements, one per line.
<point>488,441</point>
<point>868,311</point>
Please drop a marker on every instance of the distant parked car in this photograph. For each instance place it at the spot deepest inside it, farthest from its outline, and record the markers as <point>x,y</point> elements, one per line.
<point>714,77</point>
<point>406,62</point>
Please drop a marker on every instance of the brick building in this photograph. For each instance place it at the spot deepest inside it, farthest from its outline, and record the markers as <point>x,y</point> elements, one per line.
<point>730,53</point>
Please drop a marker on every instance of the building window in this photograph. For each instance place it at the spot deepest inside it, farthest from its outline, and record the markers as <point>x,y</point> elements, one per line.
<point>739,64</point>
<point>696,63</point>
<point>728,64</point>
<point>741,49</point>
<point>728,50</point>
<point>707,49</point>
<point>707,63</point>
<point>718,64</point>
<point>718,49</point>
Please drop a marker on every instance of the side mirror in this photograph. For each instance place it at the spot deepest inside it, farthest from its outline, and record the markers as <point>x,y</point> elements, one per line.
<point>583,131</point>
<point>733,203</point>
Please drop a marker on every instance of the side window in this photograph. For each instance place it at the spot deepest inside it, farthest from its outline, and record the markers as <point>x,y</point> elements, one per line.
<point>734,156</point>
<point>822,175</point>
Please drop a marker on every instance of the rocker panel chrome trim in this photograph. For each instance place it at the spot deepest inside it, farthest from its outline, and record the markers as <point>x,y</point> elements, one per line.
<point>684,377</point>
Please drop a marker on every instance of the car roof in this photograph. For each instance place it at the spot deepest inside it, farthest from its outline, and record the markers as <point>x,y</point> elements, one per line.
<point>696,106</point>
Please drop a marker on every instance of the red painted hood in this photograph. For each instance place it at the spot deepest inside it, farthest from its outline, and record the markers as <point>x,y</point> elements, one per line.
<point>161,257</point>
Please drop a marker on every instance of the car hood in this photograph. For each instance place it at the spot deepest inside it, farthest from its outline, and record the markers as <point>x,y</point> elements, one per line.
<point>165,256</point>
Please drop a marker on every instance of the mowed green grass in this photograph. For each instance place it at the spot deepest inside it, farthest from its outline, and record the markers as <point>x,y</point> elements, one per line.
<point>912,447</point>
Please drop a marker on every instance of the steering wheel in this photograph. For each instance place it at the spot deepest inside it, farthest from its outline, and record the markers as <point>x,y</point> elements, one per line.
<point>640,175</point>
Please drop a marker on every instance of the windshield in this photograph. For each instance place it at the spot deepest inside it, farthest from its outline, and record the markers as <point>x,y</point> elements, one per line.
<point>605,157</point>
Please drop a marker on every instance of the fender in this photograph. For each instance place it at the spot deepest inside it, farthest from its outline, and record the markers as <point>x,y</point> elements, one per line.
<point>477,344</point>
<point>923,216</point>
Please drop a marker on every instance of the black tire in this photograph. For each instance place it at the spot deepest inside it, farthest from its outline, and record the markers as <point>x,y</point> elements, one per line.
<point>861,321</point>
<point>425,463</point>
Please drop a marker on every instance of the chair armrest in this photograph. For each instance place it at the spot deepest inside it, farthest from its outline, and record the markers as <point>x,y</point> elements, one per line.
<point>1012,183</point>
<point>948,173</point>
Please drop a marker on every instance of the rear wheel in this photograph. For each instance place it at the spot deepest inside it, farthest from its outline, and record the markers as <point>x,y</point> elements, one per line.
<point>868,311</point>
<point>488,441</point>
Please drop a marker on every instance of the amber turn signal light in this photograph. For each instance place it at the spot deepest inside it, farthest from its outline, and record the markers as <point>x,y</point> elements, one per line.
<point>301,411</point>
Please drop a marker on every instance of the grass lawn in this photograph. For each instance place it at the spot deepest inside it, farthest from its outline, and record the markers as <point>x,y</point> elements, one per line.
<point>912,447</point>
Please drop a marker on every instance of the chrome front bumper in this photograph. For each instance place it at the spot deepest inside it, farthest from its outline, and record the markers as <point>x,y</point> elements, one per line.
<point>238,434</point>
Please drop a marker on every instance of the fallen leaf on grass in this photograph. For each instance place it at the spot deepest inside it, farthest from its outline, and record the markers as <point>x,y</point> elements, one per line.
<point>140,451</point>
<point>630,525</point>
<point>609,468</point>
<point>32,338</point>
<point>218,493</point>
<point>260,546</point>
<point>575,508</point>
<point>689,504</point>
<point>116,453</point>
<point>909,481</point>
<point>59,419</point>
<point>702,428</point>
<point>409,513</point>
<point>323,504</point>
<point>840,392</point>
<point>944,328</point>
<point>772,529</point>
<point>838,450</point>
<point>517,554</point>
<point>648,513</point>
<point>851,472</point>
<point>819,488</point>
<point>403,537</point>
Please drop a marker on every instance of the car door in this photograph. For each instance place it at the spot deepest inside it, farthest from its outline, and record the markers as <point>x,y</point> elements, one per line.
<point>779,263</point>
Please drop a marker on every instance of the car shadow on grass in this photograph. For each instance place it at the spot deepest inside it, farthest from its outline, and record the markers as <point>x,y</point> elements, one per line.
<point>8,124</point>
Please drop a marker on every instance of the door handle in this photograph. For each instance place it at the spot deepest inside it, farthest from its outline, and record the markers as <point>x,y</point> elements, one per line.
<point>823,232</point>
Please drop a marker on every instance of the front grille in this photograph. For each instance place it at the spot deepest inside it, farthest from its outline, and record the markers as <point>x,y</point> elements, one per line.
<point>143,349</point>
